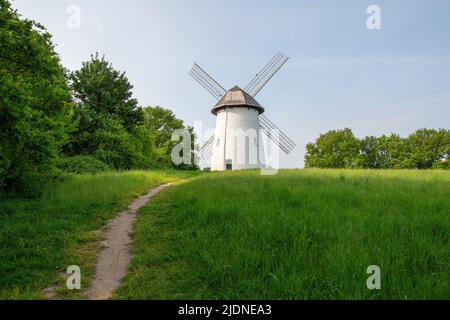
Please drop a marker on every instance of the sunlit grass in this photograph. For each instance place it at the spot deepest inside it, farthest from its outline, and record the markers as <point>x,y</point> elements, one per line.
<point>40,238</point>
<point>304,234</point>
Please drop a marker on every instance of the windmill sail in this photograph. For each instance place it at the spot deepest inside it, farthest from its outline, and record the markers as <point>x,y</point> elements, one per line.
<point>211,85</point>
<point>260,80</point>
<point>206,150</point>
<point>275,134</point>
<point>245,113</point>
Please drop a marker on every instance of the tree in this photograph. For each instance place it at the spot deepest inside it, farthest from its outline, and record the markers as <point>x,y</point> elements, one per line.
<point>392,152</point>
<point>334,149</point>
<point>111,125</point>
<point>371,154</point>
<point>101,92</point>
<point>423,149</point>
<point>116,146</point>
<point>108,117</point>
<point>426,147</point>
<point>35,104</point>
<point>161,123</point>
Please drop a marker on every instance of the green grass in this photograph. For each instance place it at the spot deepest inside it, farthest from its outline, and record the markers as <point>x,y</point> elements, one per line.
<point>306,234</point>
<point>40,238</point>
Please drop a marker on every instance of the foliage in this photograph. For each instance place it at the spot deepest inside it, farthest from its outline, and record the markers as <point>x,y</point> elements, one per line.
<point>107,117</point>
<point>334,149</point>
<point>115,146</point>
<point>371,154</point>
<point>82,165</point>
<point>427,147</point>
<point>161,124</point>
<point>111,126</point>
<point>392,152</point>
<point>35,104</point>
<point>423,149</point>
<point>100,90</point>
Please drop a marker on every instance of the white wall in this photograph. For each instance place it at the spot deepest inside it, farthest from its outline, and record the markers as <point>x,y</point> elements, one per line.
<point>237,139</point>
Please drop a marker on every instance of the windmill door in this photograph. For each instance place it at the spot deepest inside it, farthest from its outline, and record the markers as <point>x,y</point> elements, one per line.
<point>229,165</point>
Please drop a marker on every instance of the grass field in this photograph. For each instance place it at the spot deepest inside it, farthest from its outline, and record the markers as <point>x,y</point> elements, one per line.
<point>40,238</point>
<point>306,234</point>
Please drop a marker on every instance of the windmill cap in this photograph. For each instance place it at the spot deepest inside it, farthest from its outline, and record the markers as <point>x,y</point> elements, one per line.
<point>236,97</point>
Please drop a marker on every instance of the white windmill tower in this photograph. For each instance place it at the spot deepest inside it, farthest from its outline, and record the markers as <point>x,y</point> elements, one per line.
<point>236,143</point>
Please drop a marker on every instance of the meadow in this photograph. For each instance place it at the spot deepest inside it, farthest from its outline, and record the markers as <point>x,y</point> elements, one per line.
<point>41,237</point>
<point>301,234</point>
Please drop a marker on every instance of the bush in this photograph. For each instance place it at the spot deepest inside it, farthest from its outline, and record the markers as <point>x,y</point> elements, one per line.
<point>442,164</point>
<point>82,165</point>
<point>35,104</point>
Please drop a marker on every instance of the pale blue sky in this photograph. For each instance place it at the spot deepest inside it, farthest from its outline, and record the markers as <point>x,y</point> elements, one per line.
<point>340,74</point>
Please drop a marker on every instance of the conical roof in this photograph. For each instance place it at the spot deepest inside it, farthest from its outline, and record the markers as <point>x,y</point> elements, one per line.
<point>236,97</point>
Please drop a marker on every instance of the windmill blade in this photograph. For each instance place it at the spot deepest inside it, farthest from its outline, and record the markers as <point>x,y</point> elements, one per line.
<point>211,85</point>
<point>260,80</point>
<point>206,155</point>
<point>275,134</point>
<point>206,150</point>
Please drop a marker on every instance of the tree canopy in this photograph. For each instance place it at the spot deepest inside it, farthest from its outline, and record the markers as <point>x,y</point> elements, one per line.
<point>35,103</point>
<point>111,126</point>
<point>423,149</point>
<point>161,123</point>
<point>99,90</point>
<point>53,119</point>
<point>334,149</point>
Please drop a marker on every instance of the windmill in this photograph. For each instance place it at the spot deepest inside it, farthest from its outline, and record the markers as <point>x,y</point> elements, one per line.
<point>240,120</point>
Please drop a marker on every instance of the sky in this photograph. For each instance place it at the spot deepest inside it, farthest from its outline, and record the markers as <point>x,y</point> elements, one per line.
<point>340,74</point>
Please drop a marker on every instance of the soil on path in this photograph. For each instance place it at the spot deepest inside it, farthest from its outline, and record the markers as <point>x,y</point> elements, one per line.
<point>113,260</point>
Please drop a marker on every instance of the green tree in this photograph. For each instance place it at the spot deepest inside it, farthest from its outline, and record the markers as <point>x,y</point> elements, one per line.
<point>423,149</point>
<point>101,92</point>
<point>334,149</point>
<point>110,122</point>
<point>35,104</point>
<point>371,154</point>
<point>392,153</point>
<point>161,124</point>
<point>116,146</point>
<point>427,147</point>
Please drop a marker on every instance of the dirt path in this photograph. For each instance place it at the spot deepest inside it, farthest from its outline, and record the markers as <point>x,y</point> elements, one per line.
<point>113,260</point>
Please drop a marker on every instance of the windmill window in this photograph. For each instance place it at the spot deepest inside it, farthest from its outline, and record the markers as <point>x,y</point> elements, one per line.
<point>218,142</point>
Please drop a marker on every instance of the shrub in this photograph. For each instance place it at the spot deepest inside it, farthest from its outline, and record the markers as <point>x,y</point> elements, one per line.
<point>82,165</point>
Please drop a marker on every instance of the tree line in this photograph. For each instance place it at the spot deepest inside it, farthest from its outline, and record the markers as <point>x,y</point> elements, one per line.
<point>53,120</point>
<point>422,149</point>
